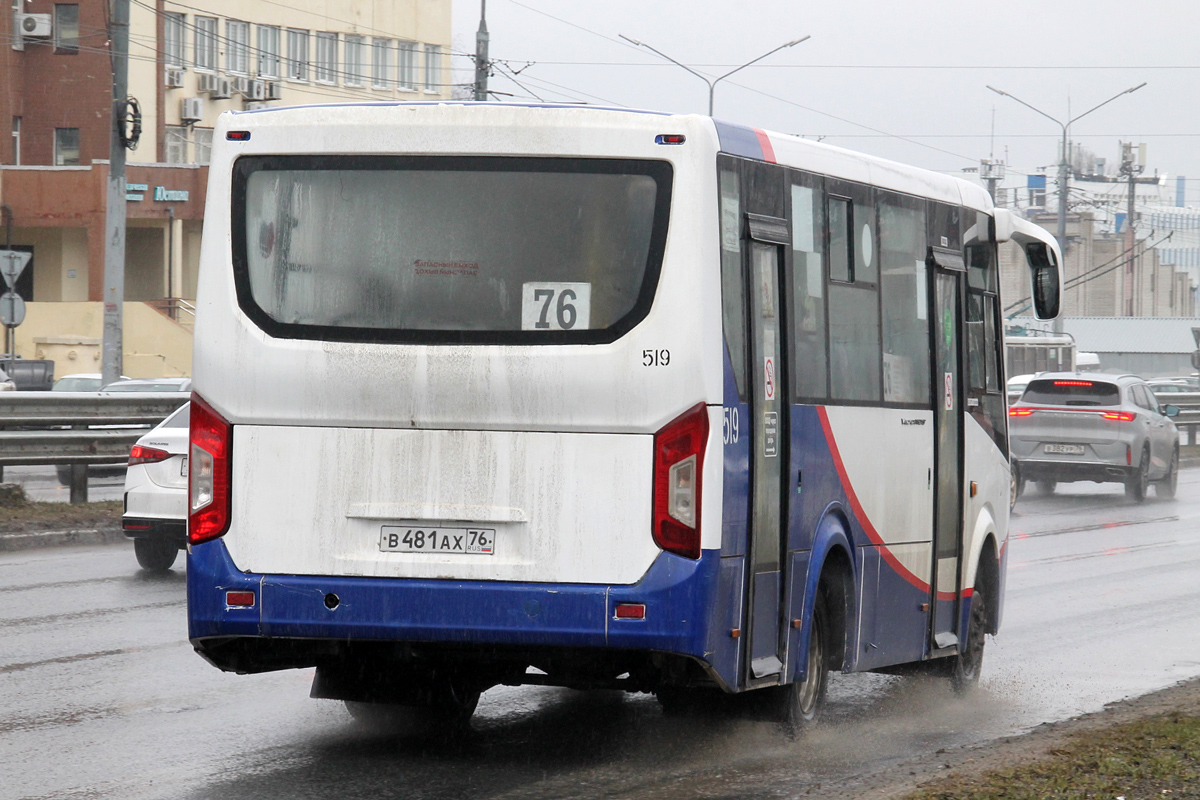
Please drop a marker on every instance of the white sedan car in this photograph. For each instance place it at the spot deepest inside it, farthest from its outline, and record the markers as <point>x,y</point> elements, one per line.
<point>156,489</point>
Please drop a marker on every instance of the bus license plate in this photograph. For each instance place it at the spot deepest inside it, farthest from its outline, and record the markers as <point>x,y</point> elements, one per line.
<point>1067,449</point>
<point>453,541</point>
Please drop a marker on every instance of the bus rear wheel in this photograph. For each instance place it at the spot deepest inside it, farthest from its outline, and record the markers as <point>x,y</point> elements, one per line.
<point>804,700</point>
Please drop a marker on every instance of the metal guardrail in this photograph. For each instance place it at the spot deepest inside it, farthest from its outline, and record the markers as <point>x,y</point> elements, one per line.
<point>79,429</point>
<point>1189,410</point>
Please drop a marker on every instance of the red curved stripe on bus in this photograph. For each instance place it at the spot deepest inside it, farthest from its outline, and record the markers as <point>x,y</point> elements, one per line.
<point>863,519</point>
<point>764,141</point>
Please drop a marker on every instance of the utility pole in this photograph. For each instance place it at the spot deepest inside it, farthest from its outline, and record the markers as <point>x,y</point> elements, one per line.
<point>482,65</point>
<point>1132,164</point>
<point>114,226</point>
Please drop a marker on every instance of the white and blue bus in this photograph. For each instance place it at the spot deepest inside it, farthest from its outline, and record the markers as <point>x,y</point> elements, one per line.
<point>495,394</point>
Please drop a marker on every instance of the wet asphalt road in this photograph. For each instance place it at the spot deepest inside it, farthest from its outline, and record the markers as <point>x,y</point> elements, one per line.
<point>101,695</point>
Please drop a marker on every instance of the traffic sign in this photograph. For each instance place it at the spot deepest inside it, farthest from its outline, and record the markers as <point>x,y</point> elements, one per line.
<point>12,309</point>
<point>12,264</point>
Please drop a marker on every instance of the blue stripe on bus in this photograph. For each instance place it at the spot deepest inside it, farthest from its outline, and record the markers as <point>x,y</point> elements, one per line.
<point>739,140</point>
<point>677,593</point>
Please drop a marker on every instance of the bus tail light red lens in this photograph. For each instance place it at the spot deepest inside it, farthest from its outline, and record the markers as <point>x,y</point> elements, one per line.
<point>678,468</point>
<point>239,599</point>
<point>1120,416</point>
<point>208,473</point>
<point>141,454</point>
<point>1020,411</point>
<point>630,611</point>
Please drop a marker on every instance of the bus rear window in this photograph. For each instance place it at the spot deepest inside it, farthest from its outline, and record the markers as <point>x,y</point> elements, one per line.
<point>448,249</point>
<point>1069,392</point>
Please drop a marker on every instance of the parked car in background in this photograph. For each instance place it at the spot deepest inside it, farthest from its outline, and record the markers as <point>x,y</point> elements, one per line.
<point>1083,426</point>
<point>6,385</point>
<point>81,382</point>
<point>1016,385</point>
<point>150,385</point>
<point>156,492</point>
<point>1172,385</point>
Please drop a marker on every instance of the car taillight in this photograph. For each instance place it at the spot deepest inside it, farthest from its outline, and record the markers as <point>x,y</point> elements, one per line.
<point>678,467</point>
<point>1020,411</point>
<point>208,473</point>
<point>141,454</point>
<point>1120,416</point>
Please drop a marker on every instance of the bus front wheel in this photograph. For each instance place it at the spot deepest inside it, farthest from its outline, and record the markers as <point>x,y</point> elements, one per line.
<point>803,700</point>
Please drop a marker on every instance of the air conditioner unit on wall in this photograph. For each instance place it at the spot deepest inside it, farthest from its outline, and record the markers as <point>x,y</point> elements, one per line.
<point>35,25</point>
<point>274,90</point>
<point>173,78</point>
<point>257,91</point>
<point>224,89</point>
<point>241,85</point>
<point>255,105</point>
<point>192,110</point>
<point>207,82</point>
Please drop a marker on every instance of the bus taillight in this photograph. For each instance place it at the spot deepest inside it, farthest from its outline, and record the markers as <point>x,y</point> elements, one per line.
<point>209,473</point>
<point>678,467</point>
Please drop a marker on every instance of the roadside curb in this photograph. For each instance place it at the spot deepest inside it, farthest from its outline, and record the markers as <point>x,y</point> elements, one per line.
<point>101,534</point>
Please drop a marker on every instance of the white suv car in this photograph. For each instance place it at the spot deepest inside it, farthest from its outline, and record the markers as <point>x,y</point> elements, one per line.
<point>156,489</point>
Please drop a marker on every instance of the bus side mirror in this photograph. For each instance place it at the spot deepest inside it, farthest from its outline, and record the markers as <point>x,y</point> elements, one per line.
<point>1045,278</point>
<point>1042,255</point>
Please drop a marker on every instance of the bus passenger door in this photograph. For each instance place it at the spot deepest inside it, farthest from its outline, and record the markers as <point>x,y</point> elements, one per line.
<point>947,268</point>
<point>768,443</point>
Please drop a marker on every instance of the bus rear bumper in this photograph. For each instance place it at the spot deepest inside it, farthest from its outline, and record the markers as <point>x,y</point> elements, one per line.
<point>293,615</point>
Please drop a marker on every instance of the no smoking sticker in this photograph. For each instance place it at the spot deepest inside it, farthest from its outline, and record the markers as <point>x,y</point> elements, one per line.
<point>769,376</point>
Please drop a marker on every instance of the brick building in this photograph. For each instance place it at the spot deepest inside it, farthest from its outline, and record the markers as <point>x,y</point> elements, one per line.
<point>188,64</point>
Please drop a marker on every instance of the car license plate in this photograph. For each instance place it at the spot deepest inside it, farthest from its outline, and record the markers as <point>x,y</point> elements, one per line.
<point>1066,449</point>
<point>453,541</point>
<point>183,468</point>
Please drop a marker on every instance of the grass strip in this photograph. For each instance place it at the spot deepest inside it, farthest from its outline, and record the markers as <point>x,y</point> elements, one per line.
<point>59,516</point>
<point>1158,757</point>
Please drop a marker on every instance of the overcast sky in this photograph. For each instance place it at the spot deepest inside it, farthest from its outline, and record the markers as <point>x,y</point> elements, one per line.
<point>903,79</point>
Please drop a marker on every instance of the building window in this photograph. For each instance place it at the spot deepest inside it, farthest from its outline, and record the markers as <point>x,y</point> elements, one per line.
<point>202,139</point>
<point>206,43</point>
<point>268,51</point>
<point>433,67</point>
<point>66,147</point>
<point>237,46</point>
<point>406,66</point>
<point>326,68</point>
<point>16,151</point>
<point>297,58</point>
<point>173,40</point>
<point>381,63</point>
<point>176,141</point>
<point>66,27</point>
<point>356,71</point>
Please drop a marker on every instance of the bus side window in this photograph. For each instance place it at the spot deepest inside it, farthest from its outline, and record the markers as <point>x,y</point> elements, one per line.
<point>984,373</point>
<point>855,353</point>
<point>905,300</point>
<point>810,366</point>
<point>733,300</point>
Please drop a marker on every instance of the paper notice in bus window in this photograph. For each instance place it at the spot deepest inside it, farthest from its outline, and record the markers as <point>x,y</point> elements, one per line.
<point>802,219</point>
<point>816,281</point>
<point>922,290</point>
<point>556,306</point>
<point>731,233</point>
<point>949,405</point>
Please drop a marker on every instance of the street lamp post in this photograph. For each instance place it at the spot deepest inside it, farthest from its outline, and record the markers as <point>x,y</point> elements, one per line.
<point>1064,168</point>
<point>712,83</point>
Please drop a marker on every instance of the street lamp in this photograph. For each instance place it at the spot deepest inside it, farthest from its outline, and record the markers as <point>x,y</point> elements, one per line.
<point>712,84</point>
<point>1063,165</point>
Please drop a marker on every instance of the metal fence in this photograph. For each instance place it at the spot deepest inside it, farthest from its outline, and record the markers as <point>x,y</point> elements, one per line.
<point>78,429</point>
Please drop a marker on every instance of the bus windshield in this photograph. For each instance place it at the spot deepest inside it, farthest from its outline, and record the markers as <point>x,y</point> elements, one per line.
<point>498,249</point>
